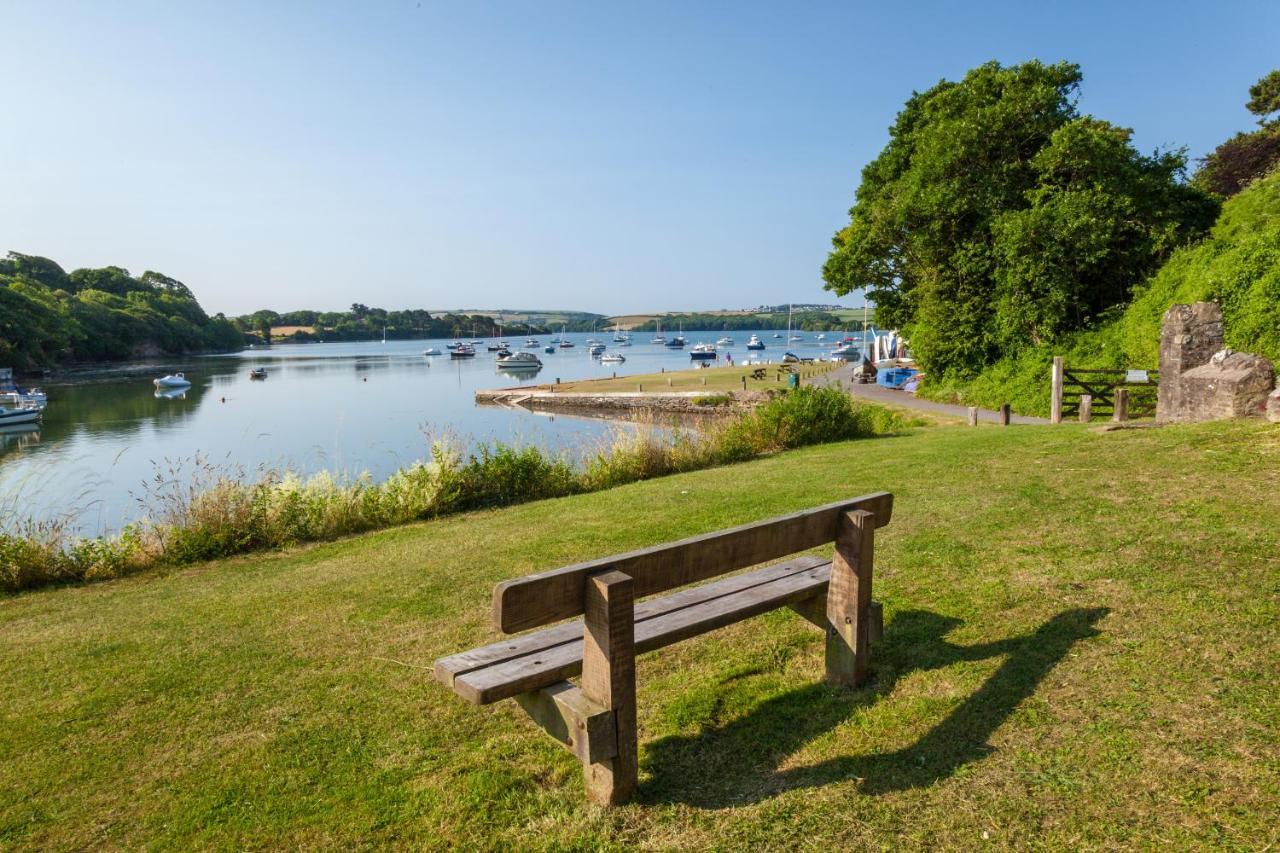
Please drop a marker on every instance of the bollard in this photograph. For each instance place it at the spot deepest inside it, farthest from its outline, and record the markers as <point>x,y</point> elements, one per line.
<point>973,416</point>
<point>1121,413</point>
<point>615,374</point>
<point>1055,390</point>
<point>704,382</point>
<point>1005,414</point>
<point>1086,408</point>
<point>639,386</point>
<point>744,383</point>
<point>557,380</point>
<point>664,370</point>
<point>668,381</point>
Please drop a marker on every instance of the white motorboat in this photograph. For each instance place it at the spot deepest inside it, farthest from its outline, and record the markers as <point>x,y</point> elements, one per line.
<point>24,415</point>
<point>520,361</point>
<point>173,380</point>
<point>16,398</point>
<point>597,349</point>
<point>725,341</point>
<point>464,351</point>
<point>703,352</point>
<point>755,343</point>
<point>612,358</point>
<point>432,351</point>
<point>847,352</point>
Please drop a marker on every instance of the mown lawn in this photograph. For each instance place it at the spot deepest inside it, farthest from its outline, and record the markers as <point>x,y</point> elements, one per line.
<point>712,379</point>
<point>1080,651</point>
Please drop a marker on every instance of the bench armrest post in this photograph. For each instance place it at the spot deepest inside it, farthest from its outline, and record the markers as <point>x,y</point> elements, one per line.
<point>848,654</point>
<point>609,679</point>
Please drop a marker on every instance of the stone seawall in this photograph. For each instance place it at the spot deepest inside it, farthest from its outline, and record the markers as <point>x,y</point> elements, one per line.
<point>675,402</point>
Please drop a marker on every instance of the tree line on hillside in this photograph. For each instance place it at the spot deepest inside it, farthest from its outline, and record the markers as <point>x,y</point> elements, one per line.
<point>809,321</point>
<point>999,218</point>
<point>363,323</point>
<point>50,317</point>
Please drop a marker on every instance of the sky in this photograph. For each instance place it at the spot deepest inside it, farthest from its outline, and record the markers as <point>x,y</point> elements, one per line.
<point>608,157</point>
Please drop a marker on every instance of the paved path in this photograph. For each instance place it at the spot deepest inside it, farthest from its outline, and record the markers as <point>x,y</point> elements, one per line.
<point>842,377</point>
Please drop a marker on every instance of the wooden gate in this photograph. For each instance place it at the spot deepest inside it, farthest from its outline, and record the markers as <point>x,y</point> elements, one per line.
<point>1070,384</point>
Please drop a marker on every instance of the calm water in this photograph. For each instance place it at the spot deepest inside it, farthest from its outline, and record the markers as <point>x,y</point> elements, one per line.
<point>346,407</point>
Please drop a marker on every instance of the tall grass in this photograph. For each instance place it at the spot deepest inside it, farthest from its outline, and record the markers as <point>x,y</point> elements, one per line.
<point>211,512</point>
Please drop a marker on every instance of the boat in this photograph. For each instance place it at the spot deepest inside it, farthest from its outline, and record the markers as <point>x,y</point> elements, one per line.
<point>613,358</point>
<point>566,344</point>
<point>678,341</point>
<point>596,349</point>
<point>23,415</point>
<point>504,353</point>
<point>548,349</point>
<point>258,373</point>
<point>703,352</point>
<point>520,361</point>
<point>755,343</point>
<point>777,334</point>
<point>20,398</point>
<point>847,352</point>
<point>432,351</point>
<point>464,351</point>
<point>658,338</point>
<point>495,347</point>
<point>173,380</point>
<point>822,337</point>
<point>725,341</point>
<point>531,343</point>
<point>789,357</point>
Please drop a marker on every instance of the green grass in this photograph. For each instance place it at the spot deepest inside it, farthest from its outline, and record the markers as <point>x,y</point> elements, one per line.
<point>1080,652</point>
<point>719,378</point>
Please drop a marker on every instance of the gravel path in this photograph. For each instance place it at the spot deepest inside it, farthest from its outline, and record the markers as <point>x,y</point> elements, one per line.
<point>843,377</point>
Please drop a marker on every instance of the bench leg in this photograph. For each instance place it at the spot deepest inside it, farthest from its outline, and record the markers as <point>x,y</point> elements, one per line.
<point>849,601</point>
<point>609,679</point>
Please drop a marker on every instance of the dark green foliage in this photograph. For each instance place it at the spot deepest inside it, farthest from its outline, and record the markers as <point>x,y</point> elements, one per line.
<point>48,317</point>
<point>1264,97</point>
<point>997,217</point>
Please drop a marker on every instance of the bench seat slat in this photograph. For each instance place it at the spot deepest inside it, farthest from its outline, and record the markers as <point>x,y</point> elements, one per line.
<point>668,620</point>
<point>449,668</point>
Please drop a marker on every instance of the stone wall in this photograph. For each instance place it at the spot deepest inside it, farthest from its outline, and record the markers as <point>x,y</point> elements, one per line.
<point>1202,380</point>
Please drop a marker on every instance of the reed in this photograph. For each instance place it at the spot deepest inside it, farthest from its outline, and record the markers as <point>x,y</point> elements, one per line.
<point>203,511</point>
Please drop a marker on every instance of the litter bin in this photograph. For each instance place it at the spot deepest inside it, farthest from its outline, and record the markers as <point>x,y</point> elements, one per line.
<point>793,380</point>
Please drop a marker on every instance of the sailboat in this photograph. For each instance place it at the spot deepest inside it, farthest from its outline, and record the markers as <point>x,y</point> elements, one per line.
<point>658,338</point>
<point>678,341</point>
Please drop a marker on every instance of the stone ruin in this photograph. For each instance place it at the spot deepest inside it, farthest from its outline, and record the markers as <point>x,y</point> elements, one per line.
<point>1202,380</point>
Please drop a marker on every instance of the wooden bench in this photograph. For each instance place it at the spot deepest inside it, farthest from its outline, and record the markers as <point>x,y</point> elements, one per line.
<point>597,719</point>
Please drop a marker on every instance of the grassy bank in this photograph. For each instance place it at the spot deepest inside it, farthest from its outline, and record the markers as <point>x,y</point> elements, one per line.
<point>712,379</point>
<point>1079,653</point>
<point>210,512</point>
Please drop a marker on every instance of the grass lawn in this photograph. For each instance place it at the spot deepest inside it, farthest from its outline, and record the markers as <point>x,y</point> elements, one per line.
<point>1080,650</point>
<point>718,378</point>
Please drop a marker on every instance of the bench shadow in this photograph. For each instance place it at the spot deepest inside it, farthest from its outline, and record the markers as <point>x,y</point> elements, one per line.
<point>739,762</point>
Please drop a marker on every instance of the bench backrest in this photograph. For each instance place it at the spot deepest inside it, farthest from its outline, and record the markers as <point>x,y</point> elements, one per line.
<point>548,597</point>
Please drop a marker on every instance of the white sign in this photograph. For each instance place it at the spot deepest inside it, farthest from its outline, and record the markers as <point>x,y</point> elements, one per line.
<point>1136,377</point>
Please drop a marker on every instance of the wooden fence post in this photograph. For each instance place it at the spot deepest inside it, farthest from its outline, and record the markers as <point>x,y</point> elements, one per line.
<point>848,655</point>
<point>1086,408</point>
<point>1121,413</point>
<point>1005,414</point>
<point>609,679</point>
<point>1055,404</point>
<point>973,416</point>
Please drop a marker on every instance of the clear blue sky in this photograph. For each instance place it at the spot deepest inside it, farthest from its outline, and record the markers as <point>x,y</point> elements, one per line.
<point>603,156</point>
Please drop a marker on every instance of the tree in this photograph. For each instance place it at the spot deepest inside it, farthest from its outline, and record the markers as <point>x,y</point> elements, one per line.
<point>1264,97</point>
<point>997,216</point>
<point>1246,157</point>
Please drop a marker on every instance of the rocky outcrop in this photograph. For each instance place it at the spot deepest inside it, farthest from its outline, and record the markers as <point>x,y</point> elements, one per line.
<point>1201,380</point>
<point>1273,406</point>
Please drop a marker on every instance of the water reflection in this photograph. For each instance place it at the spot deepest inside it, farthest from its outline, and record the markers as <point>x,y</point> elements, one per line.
<point>345,407</point>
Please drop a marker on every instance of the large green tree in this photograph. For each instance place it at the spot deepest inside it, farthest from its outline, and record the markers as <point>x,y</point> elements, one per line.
<point>998,216</point>
<point>1246,157</point>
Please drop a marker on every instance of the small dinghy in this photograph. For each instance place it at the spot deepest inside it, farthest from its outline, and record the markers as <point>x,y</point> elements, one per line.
<point>613,358</point>
<point>432,351</point>
<point>173,380</point>
<point>258,373</point>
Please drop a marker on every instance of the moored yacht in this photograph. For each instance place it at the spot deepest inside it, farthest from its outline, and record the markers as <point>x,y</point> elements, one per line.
<point>703,352</point>
<point>519,361</point>
<point>755,343</point>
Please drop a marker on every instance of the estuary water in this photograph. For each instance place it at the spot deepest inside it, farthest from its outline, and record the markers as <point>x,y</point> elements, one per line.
<point>108,438</point>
